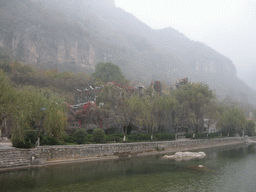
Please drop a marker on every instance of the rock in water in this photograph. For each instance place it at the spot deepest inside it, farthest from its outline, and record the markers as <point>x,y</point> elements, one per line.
<point>185,155</point>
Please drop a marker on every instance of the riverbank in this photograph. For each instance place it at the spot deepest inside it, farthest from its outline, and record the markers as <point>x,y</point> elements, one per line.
<point>13,158</point>
<point>226,169</point>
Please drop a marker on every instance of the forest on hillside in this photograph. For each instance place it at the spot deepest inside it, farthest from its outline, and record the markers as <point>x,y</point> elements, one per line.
<point>33,103</point>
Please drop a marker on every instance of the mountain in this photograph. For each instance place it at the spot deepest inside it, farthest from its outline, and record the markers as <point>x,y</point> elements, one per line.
<point>248,75</point>
<point>75,35</point>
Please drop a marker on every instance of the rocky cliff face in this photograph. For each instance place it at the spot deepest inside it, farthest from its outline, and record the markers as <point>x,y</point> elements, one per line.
<point>75,35</point>
<point>84,32</point>
<point>35,44</point>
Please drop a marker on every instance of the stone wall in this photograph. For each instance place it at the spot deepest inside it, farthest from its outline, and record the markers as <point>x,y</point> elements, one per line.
<point>10,158</point>
<point>14,158</point>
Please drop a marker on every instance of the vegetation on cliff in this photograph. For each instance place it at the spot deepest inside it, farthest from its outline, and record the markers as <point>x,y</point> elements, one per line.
<point>107,72</point>
<point>33,101</point>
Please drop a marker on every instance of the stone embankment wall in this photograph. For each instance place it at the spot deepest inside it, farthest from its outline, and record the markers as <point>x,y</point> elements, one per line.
<point>14,158</point>
<point>43,155</point>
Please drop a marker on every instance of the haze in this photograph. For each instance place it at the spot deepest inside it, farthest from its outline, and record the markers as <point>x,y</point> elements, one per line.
<point>228,26</point>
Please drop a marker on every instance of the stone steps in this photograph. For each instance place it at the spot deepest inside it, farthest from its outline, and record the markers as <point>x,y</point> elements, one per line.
<point>13,158</point>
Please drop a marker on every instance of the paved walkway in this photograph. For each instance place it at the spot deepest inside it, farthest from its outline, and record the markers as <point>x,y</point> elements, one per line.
<point>5,145</point>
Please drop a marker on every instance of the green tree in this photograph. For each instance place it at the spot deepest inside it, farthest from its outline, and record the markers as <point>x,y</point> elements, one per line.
<point>55,120</point>
<point>38,109</point>
<point>250,128</point>
<point>5,66</point>
<point>146,116</point>
<point>7,98</point>
<point>120,105</point>
<point>107,72</point>
<point>194,100</point>
<point>98,135</point>
<point>80,136</point>
<point>126,110</point>
<point>163,107</point>
<point>154,109</point>
<point>183,116</point>
<point>231,121</point>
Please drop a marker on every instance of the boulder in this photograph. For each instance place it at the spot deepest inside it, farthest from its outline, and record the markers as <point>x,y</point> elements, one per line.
<point>185,155</point>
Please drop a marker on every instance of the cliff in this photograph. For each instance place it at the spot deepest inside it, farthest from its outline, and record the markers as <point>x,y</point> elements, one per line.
<point>75,35</point>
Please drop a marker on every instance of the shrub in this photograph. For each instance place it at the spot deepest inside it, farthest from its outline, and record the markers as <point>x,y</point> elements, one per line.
<point>214,135</point>
<point>132,137</point>
<point>49,140</point>
<point>200,136</point>
<point>188,135</point>
<point>98,135</point>
<point>68,139</point>
<point>139,137</point>
<point>164,136</point>
<point>172,136</point>
<point>89,137</point>
<point>158,136</point>
<point>118,137</point>
<point>31,136</point>
<point>29,141</point>
<point>250,128</point>
<point>109,138</point>
<point>80,136</point>
<point>22,144</point>
<point>144,137</point>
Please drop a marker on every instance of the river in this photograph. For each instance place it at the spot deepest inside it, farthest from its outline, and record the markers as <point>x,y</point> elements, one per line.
<point>226,169</point>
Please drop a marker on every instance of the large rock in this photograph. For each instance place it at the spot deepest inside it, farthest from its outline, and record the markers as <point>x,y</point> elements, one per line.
<point>185,155</point>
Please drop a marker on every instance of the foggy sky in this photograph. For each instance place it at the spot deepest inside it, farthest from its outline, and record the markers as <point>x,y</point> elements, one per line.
<point>228,26</point>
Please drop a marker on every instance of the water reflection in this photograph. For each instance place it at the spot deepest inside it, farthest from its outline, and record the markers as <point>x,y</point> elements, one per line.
<point>226,169</point>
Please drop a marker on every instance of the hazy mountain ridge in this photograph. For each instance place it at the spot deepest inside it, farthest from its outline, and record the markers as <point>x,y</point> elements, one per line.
<point>78,34</point>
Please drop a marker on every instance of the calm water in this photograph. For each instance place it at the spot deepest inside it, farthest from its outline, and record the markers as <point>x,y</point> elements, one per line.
<point>227,169</point>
